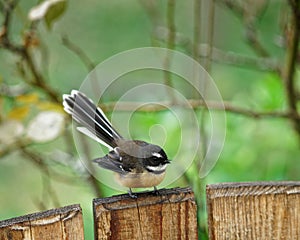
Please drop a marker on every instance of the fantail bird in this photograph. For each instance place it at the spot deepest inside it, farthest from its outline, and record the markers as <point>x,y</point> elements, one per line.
<point>137,164</point>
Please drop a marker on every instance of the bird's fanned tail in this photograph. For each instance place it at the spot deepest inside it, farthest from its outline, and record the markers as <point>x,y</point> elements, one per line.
<point>94,122</point>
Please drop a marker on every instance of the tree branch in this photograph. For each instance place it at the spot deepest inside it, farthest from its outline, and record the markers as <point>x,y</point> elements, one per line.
<point>290,68</point>
<point>79,52</point>
<point>39,80</point>
<point>91,179</point>
<point>251,34</point>
<point>23,52</point>
<point>218,55</point>
<point>39,161</point>
<point>8,7</point>
<point>170,45</point>
<point>195,104</point>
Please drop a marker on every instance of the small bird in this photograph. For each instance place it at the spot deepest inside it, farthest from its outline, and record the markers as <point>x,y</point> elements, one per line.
<point>137,164</point>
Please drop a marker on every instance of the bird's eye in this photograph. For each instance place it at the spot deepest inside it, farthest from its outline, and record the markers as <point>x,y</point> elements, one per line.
<point>155,158</point>
<point>154,161</point>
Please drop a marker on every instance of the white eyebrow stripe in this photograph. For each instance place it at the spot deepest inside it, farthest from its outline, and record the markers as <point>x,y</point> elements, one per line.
<point>157,168</point>
<point>156,154</point>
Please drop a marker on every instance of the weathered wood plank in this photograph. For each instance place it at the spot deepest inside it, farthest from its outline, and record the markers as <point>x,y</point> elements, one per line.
<point>258,210</point>
<point>169,215</point>
<point>61,223</point>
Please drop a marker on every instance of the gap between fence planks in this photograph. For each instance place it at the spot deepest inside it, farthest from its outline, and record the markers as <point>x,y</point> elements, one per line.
<point>258,210</point>
<point>62,223</point>
<point>171,214</point>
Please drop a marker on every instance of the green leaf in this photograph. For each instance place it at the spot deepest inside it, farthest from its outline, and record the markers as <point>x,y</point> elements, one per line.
<point>49,10</point>
<point>54,12</point>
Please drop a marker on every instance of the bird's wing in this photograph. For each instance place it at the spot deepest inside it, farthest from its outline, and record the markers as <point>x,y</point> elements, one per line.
<point>112,161</point>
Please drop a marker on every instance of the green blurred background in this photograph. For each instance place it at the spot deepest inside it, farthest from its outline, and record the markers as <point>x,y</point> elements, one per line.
<point>256,148</point>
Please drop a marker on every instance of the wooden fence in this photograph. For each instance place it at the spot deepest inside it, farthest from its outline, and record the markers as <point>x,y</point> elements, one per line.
<point>267,210</point>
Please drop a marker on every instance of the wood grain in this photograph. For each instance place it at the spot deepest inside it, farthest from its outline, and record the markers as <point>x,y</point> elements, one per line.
<point>259,210</point>
<point>169,215</point>
<point>62,223</point>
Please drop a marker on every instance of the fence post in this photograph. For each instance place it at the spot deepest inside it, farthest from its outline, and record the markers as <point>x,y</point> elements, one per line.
<point>258,210</point>
<point>171,214</point>
<point>61,223</point>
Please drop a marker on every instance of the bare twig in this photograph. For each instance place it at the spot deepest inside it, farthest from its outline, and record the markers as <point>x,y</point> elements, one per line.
<point>86,61</point>
<point>195,104</point>
<point>170,45</point>
<point>79,52</point>
<point>259,63</point>
<point>40,163</point>
<point>210,35</point>
<point>36,159</point>
<point>195,181</point>
<point>49,192</point>
<point>289,71</point>
<point>39,80</point>
<point>151,8</point>
<point>8,149</point>
<point>254,43</point>
<point>196,40</point>
<point>171,23</point>
<point>251,34</point>
<point>91,179</point>
<point>220,56</point>
<point>233,5</point>
<point>8,7</point>
<point>197,29</point>
<point>23,52</point>
<point>203,117</point>
<point>23,144</point>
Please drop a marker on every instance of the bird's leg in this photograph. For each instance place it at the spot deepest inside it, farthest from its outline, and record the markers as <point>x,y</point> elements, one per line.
<point>155,190</point>
<point>131,194</point>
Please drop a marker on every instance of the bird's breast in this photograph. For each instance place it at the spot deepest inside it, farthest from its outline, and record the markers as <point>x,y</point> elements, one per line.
<point>140,180</point>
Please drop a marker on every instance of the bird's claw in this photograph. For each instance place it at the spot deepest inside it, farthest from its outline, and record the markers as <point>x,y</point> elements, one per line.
<point>131,194</point>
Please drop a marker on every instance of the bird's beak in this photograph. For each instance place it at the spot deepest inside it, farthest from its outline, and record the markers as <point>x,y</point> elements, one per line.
<point>167,161</point>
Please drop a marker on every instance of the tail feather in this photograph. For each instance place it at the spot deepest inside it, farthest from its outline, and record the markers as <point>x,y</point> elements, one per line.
<point>86,113</point>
